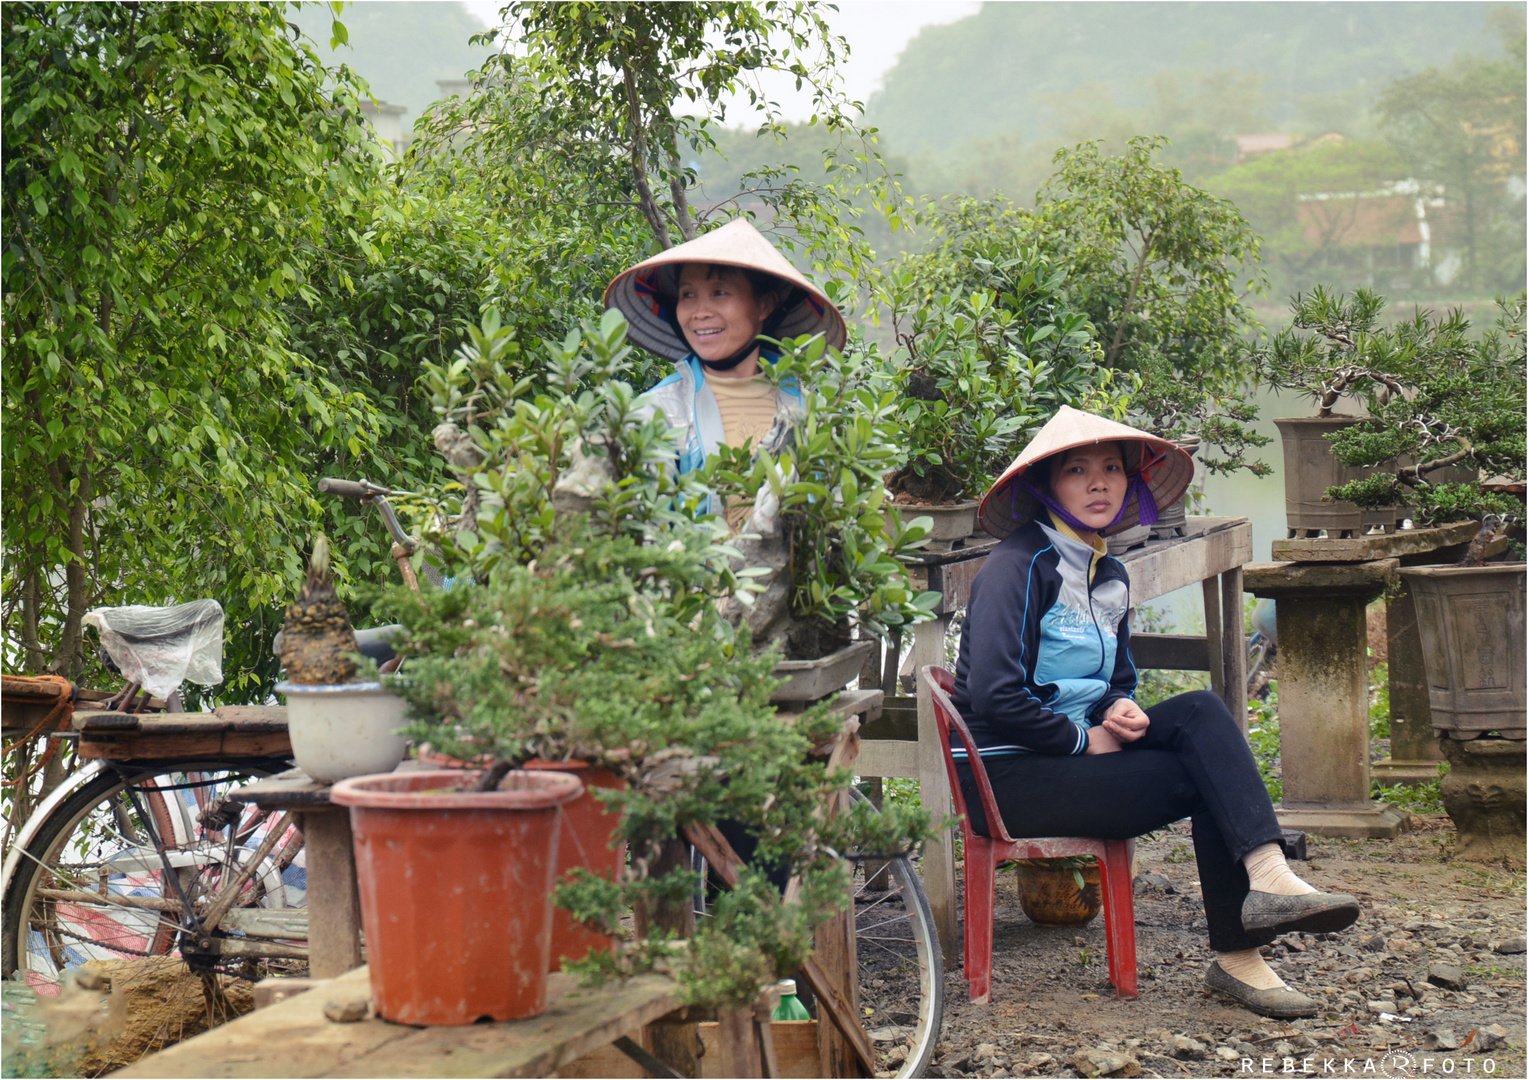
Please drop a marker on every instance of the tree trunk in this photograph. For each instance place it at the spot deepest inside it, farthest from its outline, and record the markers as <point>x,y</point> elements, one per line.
<point>645,200</point>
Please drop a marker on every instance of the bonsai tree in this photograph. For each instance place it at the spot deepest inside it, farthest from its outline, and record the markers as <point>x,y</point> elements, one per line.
<point>582,623</point>
<point>1333,346</point>
<point>1212,409</point>
<point>1463,407</point>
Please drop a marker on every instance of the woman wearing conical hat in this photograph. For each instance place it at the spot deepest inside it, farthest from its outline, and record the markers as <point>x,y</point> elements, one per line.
<point>1046,683</point>
<point>704,305</point>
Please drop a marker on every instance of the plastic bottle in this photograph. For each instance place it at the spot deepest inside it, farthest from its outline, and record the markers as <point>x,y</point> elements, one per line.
<point>790,1007</point>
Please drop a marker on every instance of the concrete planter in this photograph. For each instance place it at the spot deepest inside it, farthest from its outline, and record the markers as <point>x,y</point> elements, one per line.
<point>1484,794</point>
<point>1172,520</point>
<point>1309,469</point>
<point>811,680</point>
<point>952,521</point>
<point>1471,622</point>
<point>1132,537</point>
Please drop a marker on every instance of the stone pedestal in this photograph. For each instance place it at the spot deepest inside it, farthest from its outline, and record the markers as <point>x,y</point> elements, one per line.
<point>1484,793</point>
<point>1323,694</point>
<point>1414,750</point>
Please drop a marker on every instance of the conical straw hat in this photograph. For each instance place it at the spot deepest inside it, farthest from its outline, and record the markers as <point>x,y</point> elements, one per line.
<point>645,293</point>
<point>1169,470</point>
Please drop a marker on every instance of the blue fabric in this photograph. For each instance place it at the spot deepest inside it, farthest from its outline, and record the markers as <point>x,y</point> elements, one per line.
<point>1044,651</point>
<point>693,455</point>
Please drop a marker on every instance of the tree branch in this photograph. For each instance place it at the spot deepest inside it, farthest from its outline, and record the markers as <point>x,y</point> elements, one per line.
<point>639,161</point>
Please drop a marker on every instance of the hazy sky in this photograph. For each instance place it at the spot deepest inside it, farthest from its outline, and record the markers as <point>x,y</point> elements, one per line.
<point>877,32</point>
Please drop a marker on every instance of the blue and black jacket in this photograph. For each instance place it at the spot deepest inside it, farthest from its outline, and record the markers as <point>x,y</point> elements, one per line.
<point>1046,645</point>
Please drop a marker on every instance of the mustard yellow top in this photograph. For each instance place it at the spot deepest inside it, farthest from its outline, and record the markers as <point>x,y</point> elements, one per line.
<point>747,407</point>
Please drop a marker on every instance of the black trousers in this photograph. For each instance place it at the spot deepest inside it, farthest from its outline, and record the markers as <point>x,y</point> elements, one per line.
<point>1192,762</point>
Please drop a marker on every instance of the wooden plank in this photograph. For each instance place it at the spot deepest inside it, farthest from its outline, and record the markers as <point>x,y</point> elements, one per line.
<point>143,746</point>
<point>888,757</point>
<point>1168,652</point>
<point>953,583</point>
<point>290,1038</point>
<point>290,790</point>
<point>334,899</point>
<point>1210,586</point>
<point>576,1022</point>
<point>1212,546</point>
<point>1233,642</point>
<point>1394,545</point>
<point>795,1050</point>
<point>251,719</point>
<point>898,720</point>
<point>240,715</point>
<point>938,866</point>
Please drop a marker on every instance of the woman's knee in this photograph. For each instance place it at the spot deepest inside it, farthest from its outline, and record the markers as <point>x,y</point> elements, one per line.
<point>1192,711</point>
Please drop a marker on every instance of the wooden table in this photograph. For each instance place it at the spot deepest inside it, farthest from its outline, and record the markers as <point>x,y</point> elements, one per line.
<point>1211,554</point>
<point>334,899</point>
<point>294,1038</point>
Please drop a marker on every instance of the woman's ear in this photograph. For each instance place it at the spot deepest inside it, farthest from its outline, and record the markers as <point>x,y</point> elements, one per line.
<point>767,303</point>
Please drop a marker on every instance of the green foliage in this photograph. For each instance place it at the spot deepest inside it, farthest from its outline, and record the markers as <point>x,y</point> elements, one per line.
<point>173,175</point>
<point>843,556</point>
<point>1379,701</point>
<point>1423,798</point>
<point>1438,397</point>
<point>1263,734</point>
<point>989,348</point>
<point>586,654</point>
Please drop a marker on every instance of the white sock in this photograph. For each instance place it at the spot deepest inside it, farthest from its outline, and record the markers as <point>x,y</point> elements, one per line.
<point>1267,871</point>
<point>1248,966</point>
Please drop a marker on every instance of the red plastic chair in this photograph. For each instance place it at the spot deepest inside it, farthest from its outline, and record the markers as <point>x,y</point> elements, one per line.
<point>983,854</point>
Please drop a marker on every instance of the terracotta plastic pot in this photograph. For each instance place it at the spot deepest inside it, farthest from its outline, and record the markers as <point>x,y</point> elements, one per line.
<point>456,891</point>
<point>1050,897</point>
<point>587,825</point>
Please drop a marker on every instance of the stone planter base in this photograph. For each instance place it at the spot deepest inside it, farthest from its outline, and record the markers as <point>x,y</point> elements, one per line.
<point>1132,537</point>
<point>952,521</point>
<point>1484,794</point>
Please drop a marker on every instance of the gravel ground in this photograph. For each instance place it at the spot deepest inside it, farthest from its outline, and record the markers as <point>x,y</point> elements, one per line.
<point>1053,1012</point>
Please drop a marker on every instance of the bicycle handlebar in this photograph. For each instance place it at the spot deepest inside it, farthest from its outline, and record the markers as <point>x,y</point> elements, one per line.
<point>355,489</point>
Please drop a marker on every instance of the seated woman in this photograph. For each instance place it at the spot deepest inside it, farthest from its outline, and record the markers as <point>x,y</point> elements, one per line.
<point>704,305</point>
<point>1045,681</point>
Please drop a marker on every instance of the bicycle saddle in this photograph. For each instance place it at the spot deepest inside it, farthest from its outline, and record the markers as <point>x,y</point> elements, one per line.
<point>162,647</point>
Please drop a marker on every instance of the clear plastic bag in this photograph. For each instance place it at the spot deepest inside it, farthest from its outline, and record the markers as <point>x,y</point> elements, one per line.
<point>163,647</point>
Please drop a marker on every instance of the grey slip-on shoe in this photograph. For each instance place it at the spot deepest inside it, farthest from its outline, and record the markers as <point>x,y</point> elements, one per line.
<point>1281,1003</point>
<point>1314,913</point>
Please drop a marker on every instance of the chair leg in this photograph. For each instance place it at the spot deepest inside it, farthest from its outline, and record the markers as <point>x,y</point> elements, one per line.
<point>981,874</point>
<point>1119,916</point>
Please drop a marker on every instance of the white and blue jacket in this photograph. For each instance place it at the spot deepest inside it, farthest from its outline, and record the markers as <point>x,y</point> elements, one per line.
<point>1045,651</point>
<point>689,405</point>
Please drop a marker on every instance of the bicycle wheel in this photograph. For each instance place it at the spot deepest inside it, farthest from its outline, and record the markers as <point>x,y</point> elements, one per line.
<point>901,967</point>
<point>92,884</point>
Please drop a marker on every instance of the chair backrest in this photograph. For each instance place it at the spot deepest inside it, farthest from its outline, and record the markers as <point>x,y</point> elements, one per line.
<point>951,725</point>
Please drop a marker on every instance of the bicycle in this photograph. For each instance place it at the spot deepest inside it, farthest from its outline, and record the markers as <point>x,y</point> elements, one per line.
<point>150,855</point>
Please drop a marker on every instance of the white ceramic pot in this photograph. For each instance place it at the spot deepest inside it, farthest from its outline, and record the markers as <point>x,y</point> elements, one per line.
<point>344,730</point>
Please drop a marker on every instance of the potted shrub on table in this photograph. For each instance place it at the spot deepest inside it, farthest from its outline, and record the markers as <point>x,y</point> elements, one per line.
<point>1334,346</point>
<point>582,626</point>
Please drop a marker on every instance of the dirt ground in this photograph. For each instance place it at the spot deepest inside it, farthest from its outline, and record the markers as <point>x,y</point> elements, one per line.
<point>1053,1012</point>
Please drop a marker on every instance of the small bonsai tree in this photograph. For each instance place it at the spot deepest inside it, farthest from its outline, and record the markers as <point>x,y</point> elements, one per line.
<point>1462,405</point>
<point>1212,408</point>
<point>1333,346</point>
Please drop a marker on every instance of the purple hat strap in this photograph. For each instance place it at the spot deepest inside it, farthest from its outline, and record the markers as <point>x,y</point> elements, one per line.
<point>1139,486</point>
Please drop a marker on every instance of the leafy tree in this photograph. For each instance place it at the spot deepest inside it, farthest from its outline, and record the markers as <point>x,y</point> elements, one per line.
<point>1157,264</point>
<point>172,174</point>
<point>1463,127</point>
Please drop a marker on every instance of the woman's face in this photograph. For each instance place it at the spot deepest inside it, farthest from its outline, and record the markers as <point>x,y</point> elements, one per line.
<point>717,310</point>
<point>1089,481</point>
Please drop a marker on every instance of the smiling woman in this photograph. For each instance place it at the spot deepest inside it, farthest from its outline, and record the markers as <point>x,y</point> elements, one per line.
<point>705,305</point>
